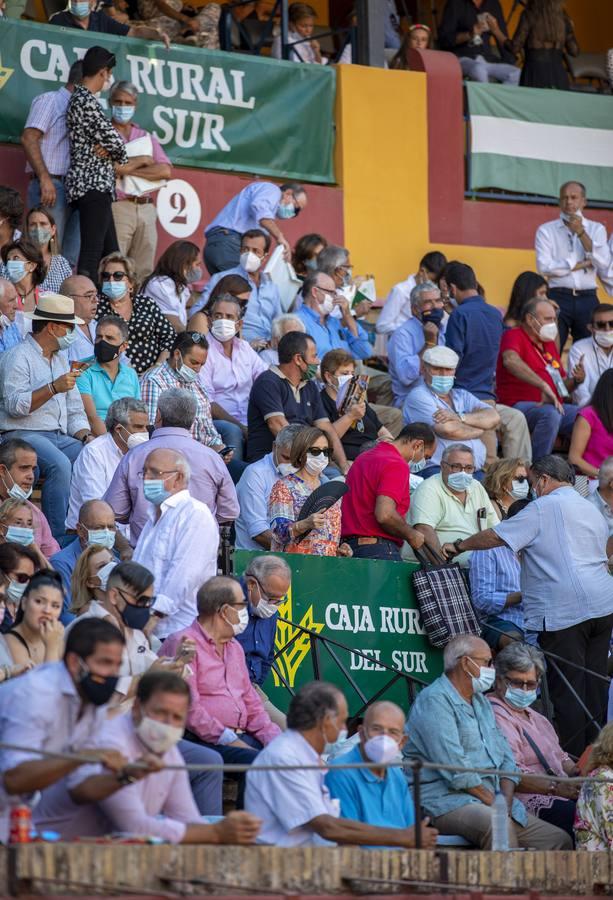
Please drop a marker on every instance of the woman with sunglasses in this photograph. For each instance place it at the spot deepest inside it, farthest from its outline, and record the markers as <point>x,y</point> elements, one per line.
<point>42,232</point>
<point>150,333</point>
<point>592,438</point>
<point>38,635</point>
<point>18,564</point>
<point>320,533</point>
<point>506,481</point>
<point>533,741</point>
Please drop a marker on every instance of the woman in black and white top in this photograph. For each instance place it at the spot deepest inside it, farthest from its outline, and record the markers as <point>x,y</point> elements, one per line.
<point>95,149</point>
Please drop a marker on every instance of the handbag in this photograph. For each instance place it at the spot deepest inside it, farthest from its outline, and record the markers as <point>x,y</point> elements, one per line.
<point>444,599</point>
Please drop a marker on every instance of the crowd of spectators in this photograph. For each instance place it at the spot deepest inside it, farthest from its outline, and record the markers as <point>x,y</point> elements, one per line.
<point>148,415</point>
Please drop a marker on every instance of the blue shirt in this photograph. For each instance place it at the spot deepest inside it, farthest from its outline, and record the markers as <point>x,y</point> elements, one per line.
<point>365,797</point>
<point>420,405</point>
<point>403,349</point>
<point>253,491</point>
<point>493,574</point>
<point>263,306</point>
<point>332,335</point>
<point>564,574</point>
<point>97,382</point>
<point>259,200</point>
<point>474,331</point>
<point>444,728</point>
<point>258,642</point>
<point>9,337</point>
<point>64,563</point>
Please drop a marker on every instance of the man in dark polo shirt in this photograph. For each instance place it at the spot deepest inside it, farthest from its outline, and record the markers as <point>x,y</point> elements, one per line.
<point>285,394</point>
<point>377,502</point>
<point>81,14</point>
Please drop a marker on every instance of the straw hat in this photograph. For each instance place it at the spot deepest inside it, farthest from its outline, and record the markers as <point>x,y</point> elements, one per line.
<point>54,308</point>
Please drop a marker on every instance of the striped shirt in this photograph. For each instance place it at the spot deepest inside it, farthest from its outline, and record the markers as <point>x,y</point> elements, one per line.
<point>161,378</point>
<point>493,574</point>
<point>48,114</point>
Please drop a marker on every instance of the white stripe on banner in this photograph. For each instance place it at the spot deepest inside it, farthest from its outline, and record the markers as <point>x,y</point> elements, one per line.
<point>533,140</point>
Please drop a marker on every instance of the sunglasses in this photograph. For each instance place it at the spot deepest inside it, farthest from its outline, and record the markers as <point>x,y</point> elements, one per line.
<point>142,601</point>
<point>21,577</point>
<point>521,478</point>
<point>317,451</point>
<point>113,276</point>
<point>604,326</point>
<point>197,337</point>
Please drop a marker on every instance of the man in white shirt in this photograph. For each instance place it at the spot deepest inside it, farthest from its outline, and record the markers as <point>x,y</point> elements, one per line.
<point>126,425</point>
<point>397,308</point>
<point>178,544</point>
<point>569,252</point>
<point>593,352</point>
<point>85,297</point>
<point>295,805</point>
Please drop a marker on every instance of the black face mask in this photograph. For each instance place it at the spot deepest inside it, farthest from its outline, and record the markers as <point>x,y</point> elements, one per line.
<point>435,316</point>
<point>135,616</point>
<point>98,691</point>
<point>105,352</point>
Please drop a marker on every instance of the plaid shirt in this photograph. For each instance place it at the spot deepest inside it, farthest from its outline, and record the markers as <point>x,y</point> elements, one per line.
<point>48,114</point>
<point>163,377</point>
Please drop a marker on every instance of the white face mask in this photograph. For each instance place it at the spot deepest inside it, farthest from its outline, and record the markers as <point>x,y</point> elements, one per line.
<point>286,469</point>
<point>548,332</point>
<point>104,572</point>
<point>243,621</point>
<point>382,748</point>
<point>223,329</point>
<point>250,261</point>
<point>326,306</point>
<point>265,609</point>
<point>315,464</point>
<point>484,680</point>
<point>604,338</point>
<point>136,439</point>
<point>342,379</point>
<point>519,489</point>
<point>158,736</point>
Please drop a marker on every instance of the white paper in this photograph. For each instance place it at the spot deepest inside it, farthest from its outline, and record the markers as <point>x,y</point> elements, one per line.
<point>131,184</point>
<point>283,275</point>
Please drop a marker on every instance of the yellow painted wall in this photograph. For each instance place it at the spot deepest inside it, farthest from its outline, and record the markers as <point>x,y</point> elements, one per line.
<point>593,22</point>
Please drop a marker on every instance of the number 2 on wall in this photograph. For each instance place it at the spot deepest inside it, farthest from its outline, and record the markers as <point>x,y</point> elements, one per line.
<point>179,203</point>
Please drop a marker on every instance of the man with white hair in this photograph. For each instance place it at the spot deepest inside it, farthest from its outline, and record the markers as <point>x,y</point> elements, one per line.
<point>454,414</point>
<point>602,498</point>
<point>320,301</point>
<point>452,723</point>
<point>280,326</point>
<point>179,542</point>
<point>425,328</point>
<point>10,334</point>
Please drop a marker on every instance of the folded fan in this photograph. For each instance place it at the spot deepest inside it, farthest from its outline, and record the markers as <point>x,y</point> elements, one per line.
<point>322,499</point>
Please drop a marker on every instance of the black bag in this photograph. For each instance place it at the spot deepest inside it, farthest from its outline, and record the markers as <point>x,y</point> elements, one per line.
<point>444,599</point>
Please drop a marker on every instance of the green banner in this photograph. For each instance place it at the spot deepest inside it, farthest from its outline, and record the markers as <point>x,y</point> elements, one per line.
<point>367,606</point>
<point>530,141</point>
<point>208,108</point>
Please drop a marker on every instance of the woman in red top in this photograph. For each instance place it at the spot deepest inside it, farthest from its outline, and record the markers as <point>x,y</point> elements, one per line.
<point>531,377</point>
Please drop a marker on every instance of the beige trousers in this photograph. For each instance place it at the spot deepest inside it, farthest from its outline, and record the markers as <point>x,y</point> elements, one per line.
<point>474,822</point>
<point>136,227</point>
<point>278,717</point>
<point>514,435</point>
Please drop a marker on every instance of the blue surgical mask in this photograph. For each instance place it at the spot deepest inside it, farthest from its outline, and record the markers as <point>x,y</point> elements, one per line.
<point>518,698</point>
<point>16,269</point>
<point>460,481</point>
<point>311,264</point>
<point>103,537</point>
<point>80,10</point>
<point>65,341</point>
<point>114,289</point>
<point>416,467</point>
<point>122,114</point>
<point>484,680</point>
<point>16,590</point>
<point>442,384</point>
<point>17,535</point>
<point>16,492</point>
<point>154,491</point>
<point>286,211</point>
<point>186,374</point>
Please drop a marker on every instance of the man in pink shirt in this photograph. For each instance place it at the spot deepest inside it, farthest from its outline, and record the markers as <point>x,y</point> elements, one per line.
<point>226,711</point>
<point>17,476</point>
<point>135,215</point>
<point>158,802</point>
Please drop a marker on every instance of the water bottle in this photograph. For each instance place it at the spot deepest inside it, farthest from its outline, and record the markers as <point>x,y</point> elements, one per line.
<point>500,826</point>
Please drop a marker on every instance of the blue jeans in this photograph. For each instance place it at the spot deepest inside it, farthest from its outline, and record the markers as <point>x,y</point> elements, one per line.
<point>56,453</point>
<point>206,786</point>
<point>545,423</point>
<point>381,550</point>
<point>232,436</point>
<point>234,755</point>
<point>222,250</point>
<point>66,219</point>
<point>480,70</point>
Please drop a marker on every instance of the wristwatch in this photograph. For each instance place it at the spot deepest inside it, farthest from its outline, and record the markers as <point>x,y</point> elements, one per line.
<point>457,543</point>
<point>124,778</point>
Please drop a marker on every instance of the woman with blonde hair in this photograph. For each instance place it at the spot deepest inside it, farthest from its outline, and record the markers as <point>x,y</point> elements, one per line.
<point>506,481</point>
<point>17,527</point>
<point>594,818</point>
<point>89,577</point>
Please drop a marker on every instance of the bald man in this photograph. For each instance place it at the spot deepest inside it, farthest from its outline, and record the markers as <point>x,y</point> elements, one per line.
<point>85,296</point>
<point>377,795</point>
<point>179,542</point>
<point>96,525</point>
<point>9,331</point>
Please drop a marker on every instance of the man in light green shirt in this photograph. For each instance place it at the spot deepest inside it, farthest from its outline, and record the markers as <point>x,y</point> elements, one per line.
<point>452,505</point>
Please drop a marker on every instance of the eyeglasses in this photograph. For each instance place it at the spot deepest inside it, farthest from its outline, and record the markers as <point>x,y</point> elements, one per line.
<point>114,276</point>
<point>155,473</point>
<point>524,685</point>
<point>144,601</point>
<point>317,451</point>
<point>480,661</point>
<point>604,326</point>
<point>92,295</point>
<point>263,593</point>
<point>456,467</point>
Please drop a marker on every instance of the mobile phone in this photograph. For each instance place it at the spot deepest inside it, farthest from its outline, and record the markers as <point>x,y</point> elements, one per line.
<point>226,450</point>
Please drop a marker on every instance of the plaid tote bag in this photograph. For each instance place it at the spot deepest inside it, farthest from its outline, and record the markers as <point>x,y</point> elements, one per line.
<point>444,600</point>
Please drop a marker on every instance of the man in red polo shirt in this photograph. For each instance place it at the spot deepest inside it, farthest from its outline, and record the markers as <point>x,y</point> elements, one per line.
<point>377,502</point>
<point>531,378</point>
